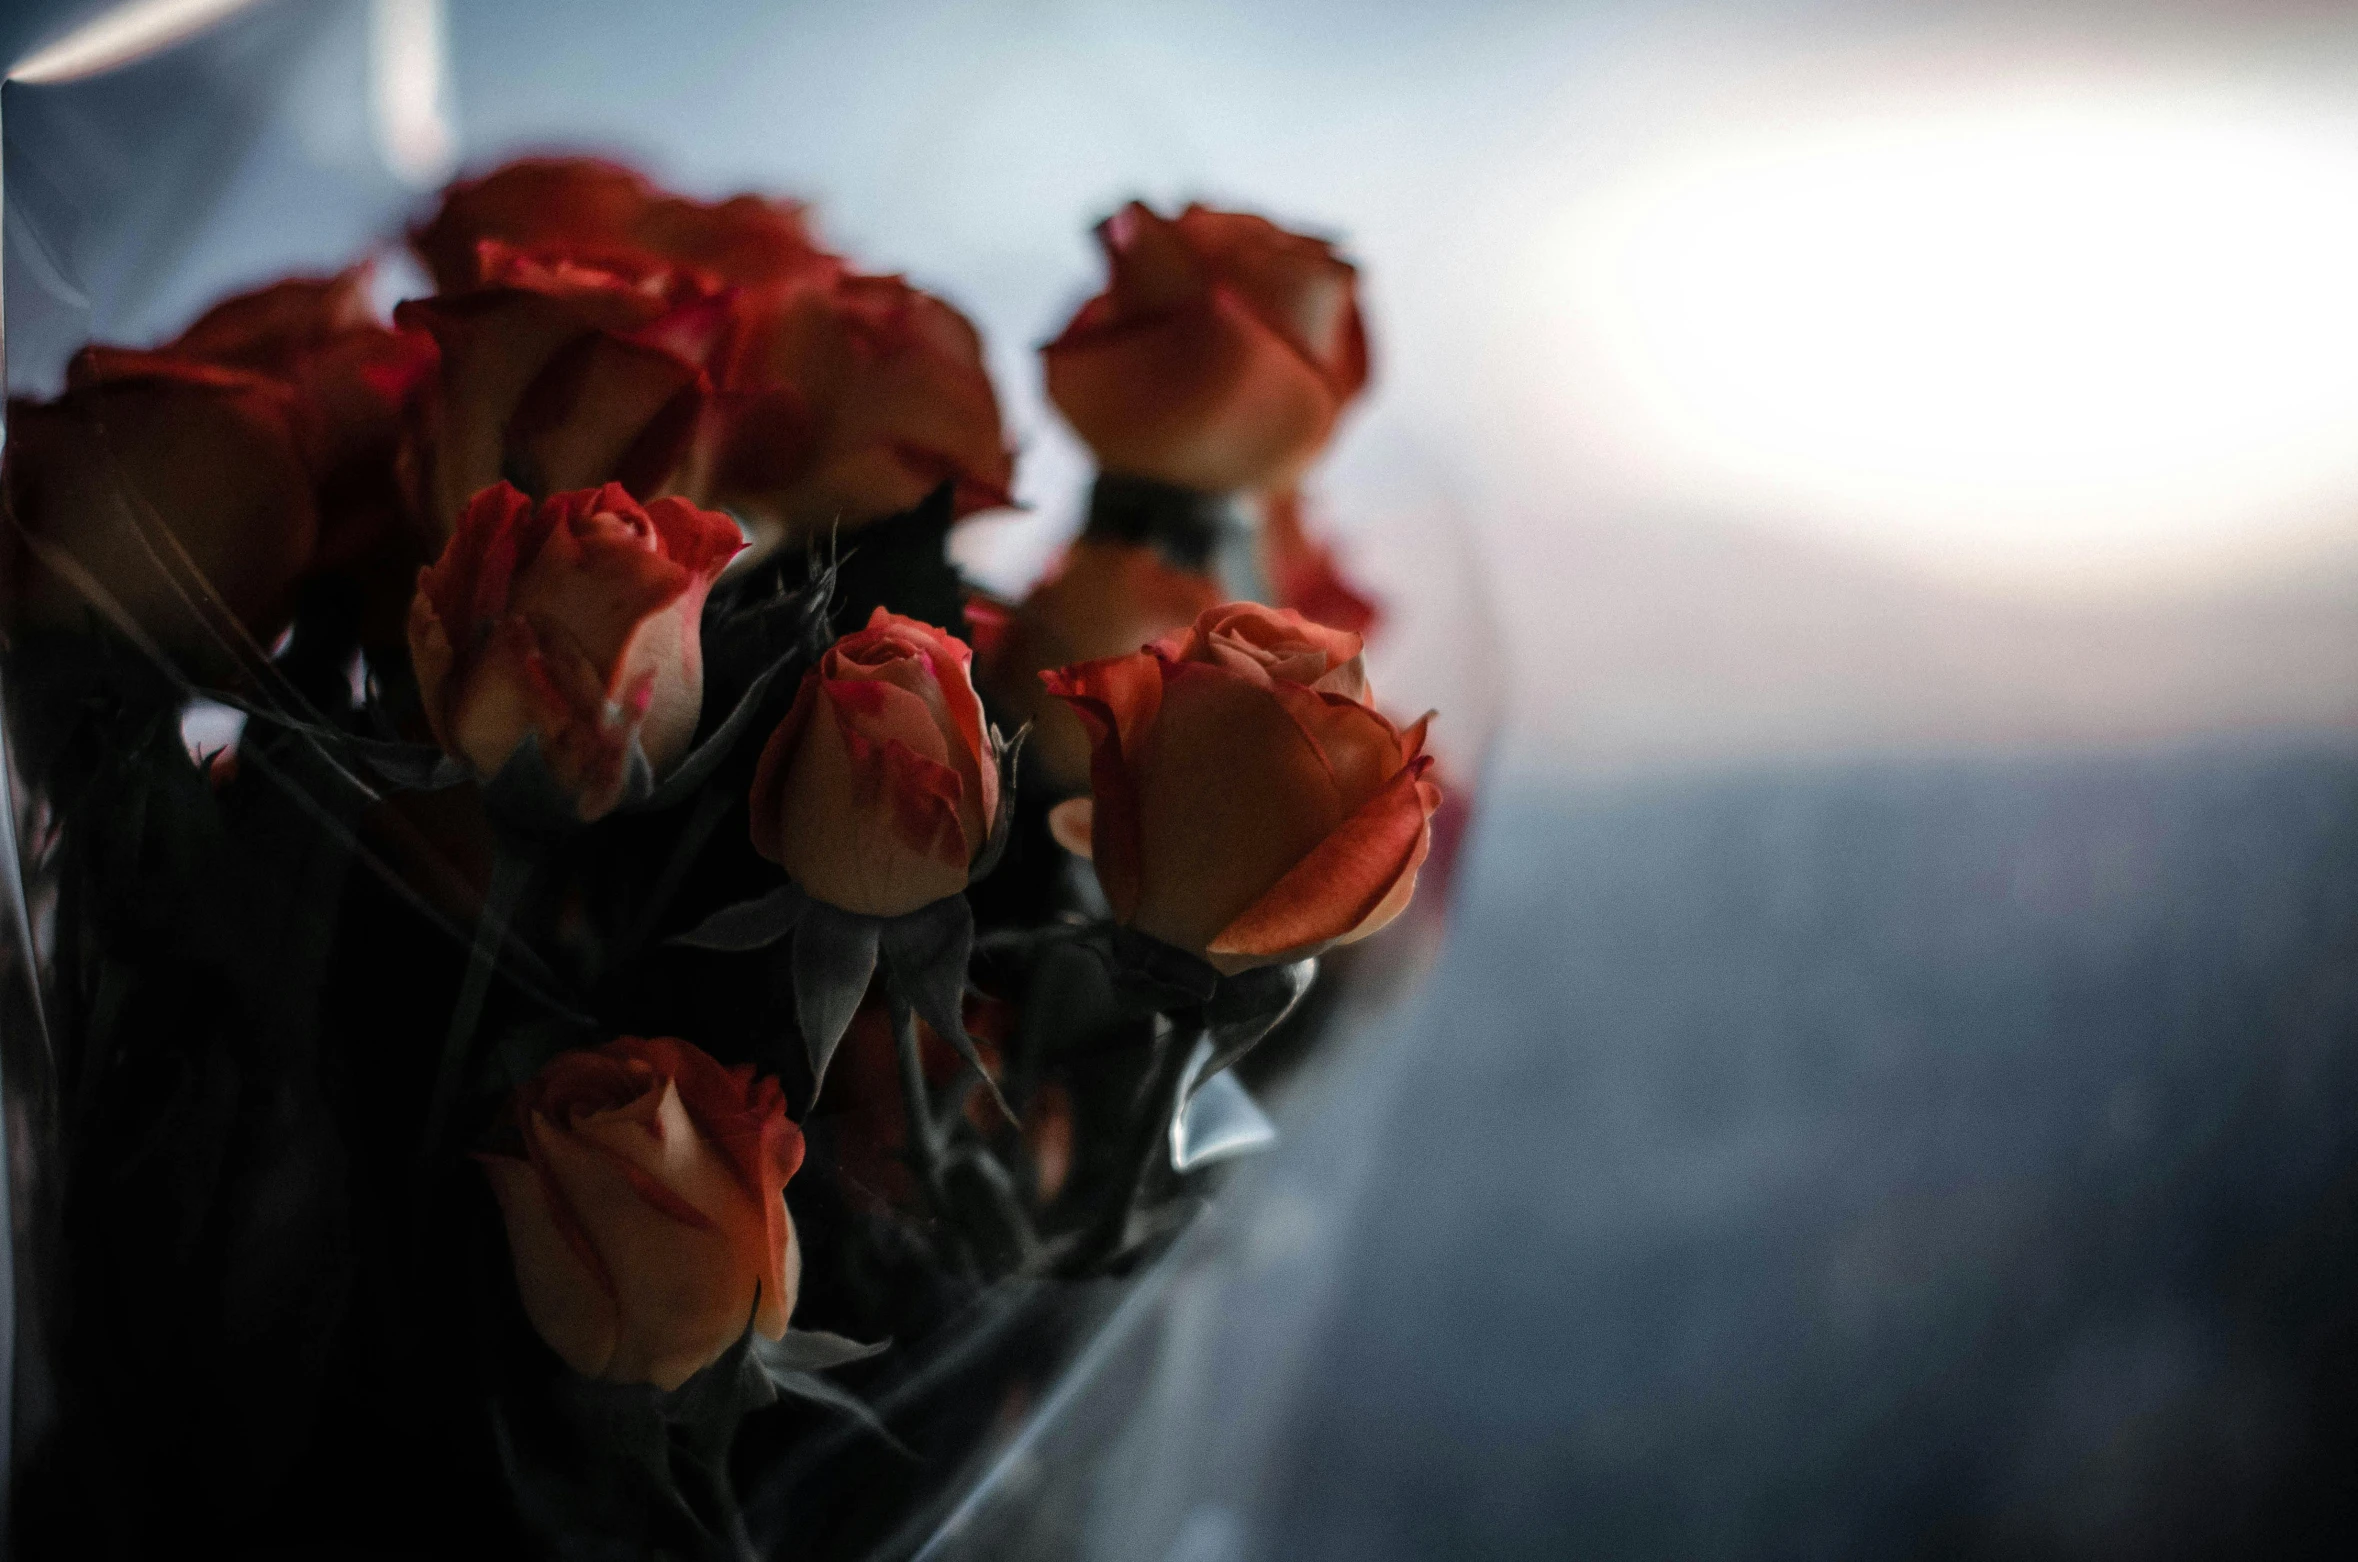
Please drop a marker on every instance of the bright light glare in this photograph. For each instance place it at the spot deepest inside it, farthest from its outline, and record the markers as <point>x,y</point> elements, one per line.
<point>2089,332</point>
<point>408,88</point>
<point>121,35</point>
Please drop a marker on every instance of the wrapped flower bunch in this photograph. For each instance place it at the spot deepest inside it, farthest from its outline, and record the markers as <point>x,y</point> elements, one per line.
<point>662,954</point>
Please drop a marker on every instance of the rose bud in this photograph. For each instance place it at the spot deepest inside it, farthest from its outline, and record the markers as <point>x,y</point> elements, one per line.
<point>560,373</point>
<point>850,400</point>
<point>1248,804</point>
<point>882,783</point>
<point>1104,599</point>
<point>589,207</point>
<point>575,621</point>
<point>1219,354</point>
<point>149,461</point>
<point>646,1214</point>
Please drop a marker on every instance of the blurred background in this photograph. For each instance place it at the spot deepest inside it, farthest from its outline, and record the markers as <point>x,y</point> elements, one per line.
<point>1873,490</point>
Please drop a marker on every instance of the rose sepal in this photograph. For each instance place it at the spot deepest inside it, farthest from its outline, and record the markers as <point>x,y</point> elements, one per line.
<point>1234,1011</point>
<point>1246,1008</point>
<point>1203,1021</point>
<point>830,955</point>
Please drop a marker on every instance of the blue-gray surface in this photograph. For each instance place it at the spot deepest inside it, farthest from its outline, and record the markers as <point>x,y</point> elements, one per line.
<point>1951,1161</point>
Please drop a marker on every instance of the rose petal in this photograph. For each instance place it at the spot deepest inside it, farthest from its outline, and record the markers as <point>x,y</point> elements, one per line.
<point>1404,889</point>
<point>745,1122</point>
<point>566,1299</point>
<point>1296,283</point>
<point>1353,882</point>
<point>943,676</point>
<point>666,658</point>
<point>702,542</point>
<point>767,797</point>
<point>682,1291</point>
<point>869,826</point>
<point>271,328</point>
<point>492,346</point>
<point>1117,700</point>
<point>1361,749</point>
<point>1152,267</point>
<point>879,711</point>
<point>594,596</point>
<point>210,456</point>
<point>605,408</point>
<point>1231,794</point>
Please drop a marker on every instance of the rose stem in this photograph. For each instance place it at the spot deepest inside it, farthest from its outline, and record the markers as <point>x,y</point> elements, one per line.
<point>925,1151</point>
<point>508,873</point>
<point>1158,1096</point>
<point>692,837</point>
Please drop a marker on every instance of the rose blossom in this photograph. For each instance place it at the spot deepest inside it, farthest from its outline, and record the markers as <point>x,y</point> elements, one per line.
<point>1219,354</point>
<point>575,621</point>
<point>1248,804</point>
<point>880,786</point>
<point>645,1214</point>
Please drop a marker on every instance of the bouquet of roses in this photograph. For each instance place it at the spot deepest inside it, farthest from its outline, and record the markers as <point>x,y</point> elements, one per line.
<point>631,1008</point>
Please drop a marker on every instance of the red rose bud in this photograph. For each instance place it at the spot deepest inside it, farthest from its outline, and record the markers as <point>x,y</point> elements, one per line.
<point>1248,804</point>
<point>646,1214</point>
<point>1219,354</point>
<point>575,621</point>
<point>880,786</point>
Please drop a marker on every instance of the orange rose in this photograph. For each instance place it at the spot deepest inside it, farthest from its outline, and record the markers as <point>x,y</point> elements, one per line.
<point>561,373</point>
<point>1219,354</point>
<point>1104,599</point>
<point>147,455</point>
<point>646,1215</point>
<point>575,622</point>
<point>881,785</point>
<point>1248,804</point>
<point>591,208</point>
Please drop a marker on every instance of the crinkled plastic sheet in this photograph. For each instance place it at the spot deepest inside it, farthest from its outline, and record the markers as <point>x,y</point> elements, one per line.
<point>256,146</point>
